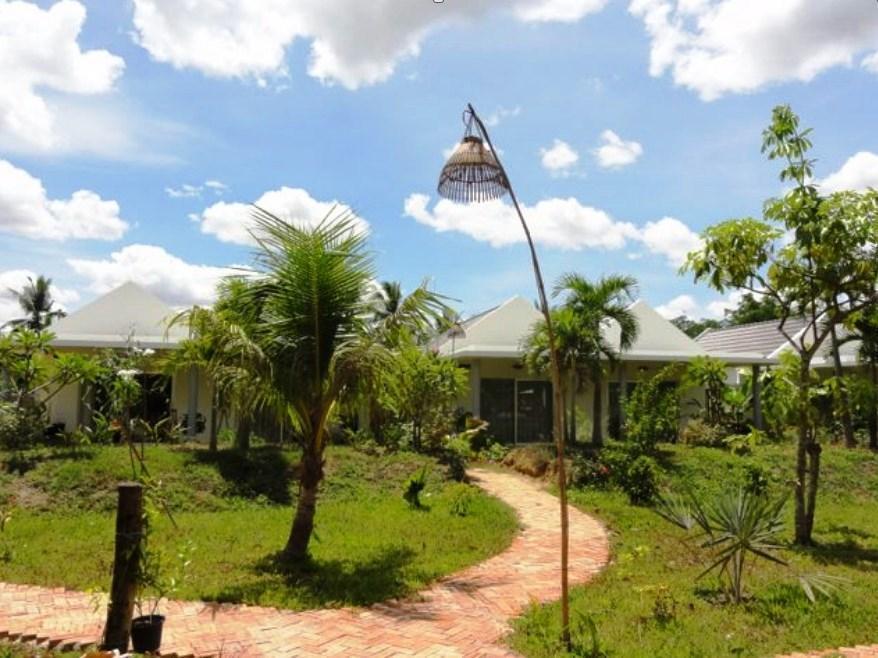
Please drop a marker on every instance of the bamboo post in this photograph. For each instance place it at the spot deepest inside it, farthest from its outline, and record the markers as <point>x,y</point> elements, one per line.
<point>129,534</point>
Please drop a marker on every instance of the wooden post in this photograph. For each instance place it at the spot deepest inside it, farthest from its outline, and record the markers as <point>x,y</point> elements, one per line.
<point>129,533</point>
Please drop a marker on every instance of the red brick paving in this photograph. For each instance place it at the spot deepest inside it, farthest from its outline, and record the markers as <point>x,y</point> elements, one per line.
<point>847,652</point>
<point>465,614</point>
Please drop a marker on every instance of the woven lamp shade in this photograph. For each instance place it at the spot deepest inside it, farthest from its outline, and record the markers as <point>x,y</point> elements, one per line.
<point>472,174</point>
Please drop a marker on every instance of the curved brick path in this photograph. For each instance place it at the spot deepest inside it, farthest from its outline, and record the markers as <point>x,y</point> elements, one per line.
<point>464,614</point>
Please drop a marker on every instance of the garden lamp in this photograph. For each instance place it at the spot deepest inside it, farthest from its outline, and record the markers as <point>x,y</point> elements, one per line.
<point>474,173</point>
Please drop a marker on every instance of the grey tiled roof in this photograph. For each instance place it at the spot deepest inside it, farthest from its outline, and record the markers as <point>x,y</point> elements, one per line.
<point>760,337</point>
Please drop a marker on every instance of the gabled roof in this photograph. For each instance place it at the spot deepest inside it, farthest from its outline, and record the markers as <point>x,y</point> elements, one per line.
<point>500,332</point>
<point>766,338</point>
<point>761,337</point>
<point>128,311</point>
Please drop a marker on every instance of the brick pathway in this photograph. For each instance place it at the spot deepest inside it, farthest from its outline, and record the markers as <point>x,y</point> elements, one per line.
<point>846,652</point>
<point>464,614</point>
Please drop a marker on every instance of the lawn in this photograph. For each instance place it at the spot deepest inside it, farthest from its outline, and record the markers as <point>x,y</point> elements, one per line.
<point>649,602</point>
<point>368,546</point>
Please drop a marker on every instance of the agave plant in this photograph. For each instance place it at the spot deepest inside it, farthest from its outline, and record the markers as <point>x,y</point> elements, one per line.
<point>736,527</point>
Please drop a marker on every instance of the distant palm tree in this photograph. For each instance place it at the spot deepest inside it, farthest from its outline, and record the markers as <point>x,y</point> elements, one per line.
<point>416,314</point>
<point>596,306</point>
<point>35,299</point>
<point>387,299</point>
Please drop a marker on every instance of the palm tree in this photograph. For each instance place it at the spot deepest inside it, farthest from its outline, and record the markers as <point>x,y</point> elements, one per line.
<point>387,299</point>
<point>596,307</point>
<point>35,299</point>
<point>416,315</point>
<point>309,295</point>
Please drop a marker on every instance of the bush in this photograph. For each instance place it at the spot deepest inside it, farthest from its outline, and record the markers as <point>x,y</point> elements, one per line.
<point>496,452</point>
<point>413,488</point>
<point>698,432</point>
<point>652,412</point>
<point>461,497</point>
<point>755,480</point>
<point>533,460</point>
<point>19,428</point>
<point>591,471</point>
<point>641,480</point>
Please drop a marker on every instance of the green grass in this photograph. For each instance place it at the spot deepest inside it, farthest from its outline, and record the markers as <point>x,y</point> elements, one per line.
<point>22,651</point>
<point>653,561</point>
<point>368,544</point>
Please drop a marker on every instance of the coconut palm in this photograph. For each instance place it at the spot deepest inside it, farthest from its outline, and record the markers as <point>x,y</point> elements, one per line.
<point>35,299</point>
<point>310,297</point>
<point>387,299</point>
<point>597,307</point>
<point>398,317</point>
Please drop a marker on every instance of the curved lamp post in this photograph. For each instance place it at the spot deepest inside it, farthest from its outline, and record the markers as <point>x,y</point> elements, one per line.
<point>474,173</point>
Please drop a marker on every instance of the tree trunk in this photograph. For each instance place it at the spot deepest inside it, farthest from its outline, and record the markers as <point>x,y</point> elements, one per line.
<point>571,421</point>
<point>844,401</point>
<point>242,433</point>
<point>597,430</point>
<point>807,462</point>
<point>214,423</point>
<point>873,408</point>
<point>310,477</point>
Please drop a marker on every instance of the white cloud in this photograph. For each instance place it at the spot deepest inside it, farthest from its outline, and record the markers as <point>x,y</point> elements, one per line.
<point>716,47</point>
<point>870,62</point>
<point>615,152</point>
<point>680,305</point>
<point>719,307</point>
<point>250,39</point>
<point>232,222</point>
<point>39,51</point>
<point>559,223</point>
<point>858,173</point>
<point>26,210</point>
<point>559,159</point>
<point>184,191</point>
<point>218,187</point>
<point>11,280</point>
<point>500,114</point>
<point>171,278</point>
<point>670,238</point>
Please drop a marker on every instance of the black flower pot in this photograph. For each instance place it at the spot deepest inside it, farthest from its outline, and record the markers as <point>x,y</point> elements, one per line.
<point>146,633</point>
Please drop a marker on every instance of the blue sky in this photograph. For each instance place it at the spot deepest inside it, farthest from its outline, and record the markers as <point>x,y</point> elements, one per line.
<point>108,110</point>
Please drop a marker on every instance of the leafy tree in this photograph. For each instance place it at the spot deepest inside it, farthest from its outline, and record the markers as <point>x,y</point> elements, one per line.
<point>423,389</point>
<point>652,411</point>
<point>816,257</point>
<point>863,326</point>
<point>754,308</point>
<point>35,299</point>
<point>694,328</point>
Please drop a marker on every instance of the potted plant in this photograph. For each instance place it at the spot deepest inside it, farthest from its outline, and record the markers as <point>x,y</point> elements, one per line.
<point>155,584</point>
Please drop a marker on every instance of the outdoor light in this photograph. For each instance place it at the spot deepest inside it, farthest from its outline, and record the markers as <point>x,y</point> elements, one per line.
<point>474,173</point>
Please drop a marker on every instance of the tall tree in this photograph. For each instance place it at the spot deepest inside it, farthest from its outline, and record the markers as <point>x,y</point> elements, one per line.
<point>599,305</point>
<point>694,328</point>
<point>754,308</point>
<point>387,299</point>
<point>807,253</point>
<point>587,316</point>
<point>35,300</point>
<point>310,296</point>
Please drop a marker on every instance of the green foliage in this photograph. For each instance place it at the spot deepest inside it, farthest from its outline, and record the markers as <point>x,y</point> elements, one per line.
<point>461,498</point>
<point>414,486</point>
<point>652,411</point>
<point>422,389</point>
<point>19,427</point>
<point>640,480</point>
<point>709,374</point>
<point>5,545</point>
<point>753,308</point>
<point>592,470</point>
<point>694,328</point>
<point>698,432</point>
<point>495,452</point>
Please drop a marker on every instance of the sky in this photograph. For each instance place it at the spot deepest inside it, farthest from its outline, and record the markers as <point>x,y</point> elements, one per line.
<point>134,134</point>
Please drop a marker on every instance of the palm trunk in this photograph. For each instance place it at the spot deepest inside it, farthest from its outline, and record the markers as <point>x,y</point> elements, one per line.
<point>242,433</point>
<point>571,422</point>
<point>597,430</point>
<point>310,477</point>
<point>847,422</point>
<point>214,424</point>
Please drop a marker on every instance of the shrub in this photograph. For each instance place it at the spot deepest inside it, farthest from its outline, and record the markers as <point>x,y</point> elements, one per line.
<point>19,428</point>
<point>461,497</point>
<point>591,472</point>
<point>755,480</point>
<point>495,452</point>
<point>698,432</point>
<point>652,411</point>
<point>641,480</point>
<point>532,460</point>
<point>413,488</point>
